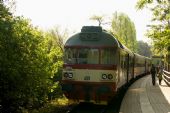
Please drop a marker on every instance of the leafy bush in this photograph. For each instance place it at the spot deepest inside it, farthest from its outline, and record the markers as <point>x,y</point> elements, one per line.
<point>29,61</point>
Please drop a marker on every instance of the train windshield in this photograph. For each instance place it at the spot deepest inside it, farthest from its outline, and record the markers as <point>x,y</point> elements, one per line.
<point>81,56</point>
<point>108,56</point>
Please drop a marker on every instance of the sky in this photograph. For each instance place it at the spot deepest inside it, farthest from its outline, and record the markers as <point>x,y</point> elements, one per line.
<point>73,14</point>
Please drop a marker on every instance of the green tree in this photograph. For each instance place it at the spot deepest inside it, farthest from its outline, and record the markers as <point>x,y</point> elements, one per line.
<point>29,61</point>
<point>54,45</point>
<point>160,28</point>
<point>124,29</point>
<point>144,49</point>
<point>24,71</point>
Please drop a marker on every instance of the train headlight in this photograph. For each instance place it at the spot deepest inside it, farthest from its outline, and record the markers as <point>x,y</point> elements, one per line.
<point>110,76</point>
<point>107,76</point>
<point>104,76</point>
<point>70,75</point>
<point>65,75</point>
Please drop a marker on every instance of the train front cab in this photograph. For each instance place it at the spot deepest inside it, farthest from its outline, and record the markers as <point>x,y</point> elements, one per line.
<point>90,74</point>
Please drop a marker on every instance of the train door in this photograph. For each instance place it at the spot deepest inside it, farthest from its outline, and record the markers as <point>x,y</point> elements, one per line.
<point>130,67</point>
<point>145,66</point>
<point>122,71</point>
<point>119,67</point>
<point>133,66</point>
<point>119,70</point>
<point>127,68</point>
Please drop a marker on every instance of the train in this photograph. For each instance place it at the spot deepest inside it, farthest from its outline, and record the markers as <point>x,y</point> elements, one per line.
<point>97,65</point>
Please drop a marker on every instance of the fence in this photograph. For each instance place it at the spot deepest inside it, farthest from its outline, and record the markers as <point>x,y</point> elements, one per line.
<point>166,77</point>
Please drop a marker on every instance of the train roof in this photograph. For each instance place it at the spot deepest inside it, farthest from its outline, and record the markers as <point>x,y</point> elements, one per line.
<point>92,36</point>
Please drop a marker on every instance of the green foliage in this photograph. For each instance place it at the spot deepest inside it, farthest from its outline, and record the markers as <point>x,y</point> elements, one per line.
<point>53,46</point>
<point>125,30</point>
<point>160,37</point>
<point>30,61</point>
<point>56,106</point>
<point>160,30</point>
<point>23,68</point>
<point>142,3</point>
<point>144,49</point>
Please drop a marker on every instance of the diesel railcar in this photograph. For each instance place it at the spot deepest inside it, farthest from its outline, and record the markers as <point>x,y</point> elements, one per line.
<point>97,65</point>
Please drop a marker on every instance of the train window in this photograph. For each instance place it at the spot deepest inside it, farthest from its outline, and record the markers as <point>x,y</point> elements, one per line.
<point>88,56</point>
<point>108,56</point>
<point>81,56</point>
<point>70,56</point>
<point>93,56</point>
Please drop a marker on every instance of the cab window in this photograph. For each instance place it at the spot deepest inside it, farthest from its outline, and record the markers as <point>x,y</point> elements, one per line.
<point>108,56</point>
<point>82,56</point>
